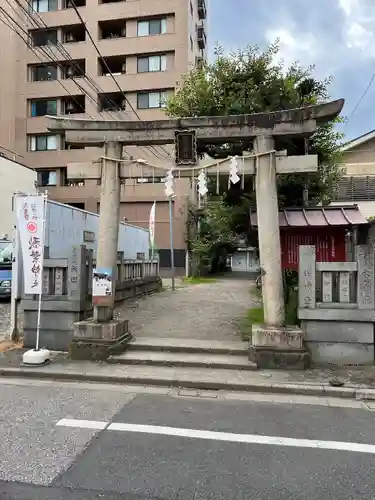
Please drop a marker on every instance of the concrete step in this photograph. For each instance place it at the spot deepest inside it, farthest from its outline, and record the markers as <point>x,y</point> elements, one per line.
<point>189,346</point>
<point>178,359</point>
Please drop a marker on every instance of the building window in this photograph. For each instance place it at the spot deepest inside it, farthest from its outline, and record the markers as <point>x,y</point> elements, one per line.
<point>191,9</point>
<point>44,37</point>
<point>44,5</point>
<point>152,27</point>
<point>47,177</point>
<point>150,180</point>
<point>191,44</point>
<point>44,73</point>
<point>152,63</point>
<point>43,143</point>
<point>151,100</point>
<point>44,107</point>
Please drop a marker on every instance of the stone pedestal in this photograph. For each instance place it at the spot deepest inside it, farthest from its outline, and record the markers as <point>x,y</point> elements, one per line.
<point>97,341</point>
<point>280,347</point>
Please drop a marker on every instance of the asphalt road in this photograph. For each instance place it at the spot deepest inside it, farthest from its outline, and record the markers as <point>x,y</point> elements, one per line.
<point>63,441</point>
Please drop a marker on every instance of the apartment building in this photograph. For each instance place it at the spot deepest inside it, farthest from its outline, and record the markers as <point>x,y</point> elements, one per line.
<point>146,45</point>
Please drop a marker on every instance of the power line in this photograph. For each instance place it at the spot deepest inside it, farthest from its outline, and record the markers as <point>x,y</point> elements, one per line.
<point>49,56</point>
<point>361,98</point>
<point>61,49</point>
<point>36,53</point>
<point>66,54</point>
<point>72,2</point>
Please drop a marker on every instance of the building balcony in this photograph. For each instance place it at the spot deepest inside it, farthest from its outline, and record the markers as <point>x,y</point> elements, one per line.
<point>53,88</point>
<point>202,9</point>
<point>53,159</point>
<point>139,81</point>
<point>133,10</point>
<point>76,50</point>
<point>137,45</point>
<point>201,37</point>
<point>63,17</point>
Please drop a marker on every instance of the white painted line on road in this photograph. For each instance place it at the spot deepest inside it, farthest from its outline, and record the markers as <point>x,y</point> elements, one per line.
<point>219,436</point>
<point>82,424</point>
<point>243,438</point>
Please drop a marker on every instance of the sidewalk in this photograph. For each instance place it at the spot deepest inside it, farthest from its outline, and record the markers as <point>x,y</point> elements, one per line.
<point>359,383</point>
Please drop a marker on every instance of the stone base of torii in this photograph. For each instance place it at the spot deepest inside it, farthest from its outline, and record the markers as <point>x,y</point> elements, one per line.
<point>273,345</point>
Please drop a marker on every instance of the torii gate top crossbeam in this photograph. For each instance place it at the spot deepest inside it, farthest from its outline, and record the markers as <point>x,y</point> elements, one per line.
<point>299,121</point>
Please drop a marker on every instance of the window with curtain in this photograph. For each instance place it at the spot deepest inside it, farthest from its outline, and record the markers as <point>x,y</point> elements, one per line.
<point>151,100</point>
<point>152,27</point>
<point>47,178</point>
<point>152,63</point>
<point>43,142</point>
<point>44,5</point>
<point>44,107</point>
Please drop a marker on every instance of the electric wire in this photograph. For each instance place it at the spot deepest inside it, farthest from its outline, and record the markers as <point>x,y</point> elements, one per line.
<point>4,13</point>
<point>72,2</point>
<point>361,98</point>
<point>66,55</point>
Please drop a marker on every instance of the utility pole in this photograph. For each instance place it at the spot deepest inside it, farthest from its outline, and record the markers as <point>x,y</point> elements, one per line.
<point>171,239</point>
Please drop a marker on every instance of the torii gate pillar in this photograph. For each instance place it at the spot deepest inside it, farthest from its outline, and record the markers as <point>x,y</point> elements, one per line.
<point>106,259</point>
<point>269,232</point>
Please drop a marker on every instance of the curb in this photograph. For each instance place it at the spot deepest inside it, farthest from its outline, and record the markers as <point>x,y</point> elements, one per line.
<point>320,390</point>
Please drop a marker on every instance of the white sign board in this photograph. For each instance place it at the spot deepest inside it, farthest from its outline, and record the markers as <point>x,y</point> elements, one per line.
<point>30,227</point>
<point>102,282</point>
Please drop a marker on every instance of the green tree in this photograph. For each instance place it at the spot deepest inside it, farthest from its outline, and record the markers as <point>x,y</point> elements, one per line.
<point>249,81</point>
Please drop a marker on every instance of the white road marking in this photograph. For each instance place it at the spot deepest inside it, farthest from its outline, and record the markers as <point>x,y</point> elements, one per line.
<point>82,424</point>
<point>244,438</point>
<point>219,436</point>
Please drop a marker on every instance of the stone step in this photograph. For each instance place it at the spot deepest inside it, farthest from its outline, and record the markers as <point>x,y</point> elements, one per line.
<point>183,359</point>
<point>189,346</point>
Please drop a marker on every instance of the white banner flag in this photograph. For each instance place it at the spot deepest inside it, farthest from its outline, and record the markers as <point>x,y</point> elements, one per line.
<point>151,225</point>
<point>30,221</point>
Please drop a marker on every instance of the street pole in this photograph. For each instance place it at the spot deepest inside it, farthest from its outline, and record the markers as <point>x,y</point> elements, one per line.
<point>109,218</point>
<point>171,239</point>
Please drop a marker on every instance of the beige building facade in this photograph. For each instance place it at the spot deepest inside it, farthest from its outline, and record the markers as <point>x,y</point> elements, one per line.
<point>146,45</point>
<point>358,182</point>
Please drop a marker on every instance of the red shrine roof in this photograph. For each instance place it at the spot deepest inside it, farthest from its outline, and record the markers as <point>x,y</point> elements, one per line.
<point>318,217</point>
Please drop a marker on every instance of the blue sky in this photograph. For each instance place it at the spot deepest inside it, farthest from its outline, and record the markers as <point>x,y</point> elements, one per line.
<point>337,36</point>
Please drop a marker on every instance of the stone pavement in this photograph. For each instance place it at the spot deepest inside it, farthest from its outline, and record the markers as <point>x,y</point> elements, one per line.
<point>5,330</point>
<point>209,311</point>
<point>4,319</point>
<point>358,382</point>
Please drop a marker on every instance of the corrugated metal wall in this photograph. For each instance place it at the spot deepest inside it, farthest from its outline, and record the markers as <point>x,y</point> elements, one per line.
<point>66,225</point>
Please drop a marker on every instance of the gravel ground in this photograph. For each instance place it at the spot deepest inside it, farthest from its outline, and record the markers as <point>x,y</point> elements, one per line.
<point>209,311</point>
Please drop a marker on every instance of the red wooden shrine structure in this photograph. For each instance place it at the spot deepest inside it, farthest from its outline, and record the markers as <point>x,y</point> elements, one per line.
<point>325,228</point>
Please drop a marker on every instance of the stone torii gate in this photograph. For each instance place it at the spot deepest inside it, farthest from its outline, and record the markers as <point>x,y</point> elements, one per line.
<point>273,338</point>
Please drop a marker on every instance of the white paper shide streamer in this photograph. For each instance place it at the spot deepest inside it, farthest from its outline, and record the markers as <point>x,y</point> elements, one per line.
<point>233,171</point>
<point>202,183</point>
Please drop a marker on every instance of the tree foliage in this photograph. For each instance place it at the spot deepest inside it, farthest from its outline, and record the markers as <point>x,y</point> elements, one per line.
<point>250,81</point>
